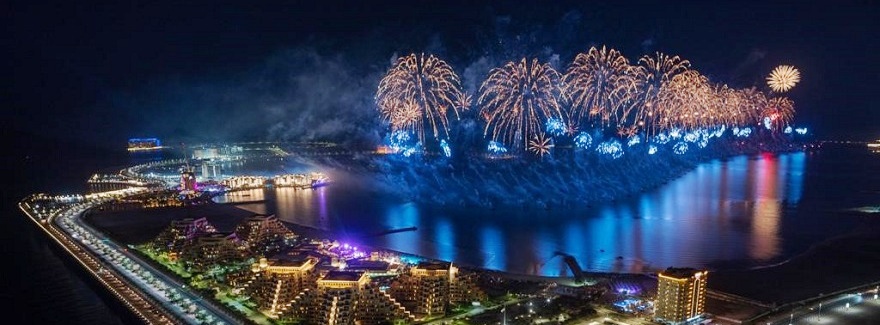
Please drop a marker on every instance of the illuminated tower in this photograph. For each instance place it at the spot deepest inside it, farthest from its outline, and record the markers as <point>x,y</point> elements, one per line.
<point>681,295</point>
<point>188,180</point>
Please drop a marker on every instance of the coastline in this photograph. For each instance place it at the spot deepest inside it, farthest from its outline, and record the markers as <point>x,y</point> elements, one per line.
<point>833,264</point>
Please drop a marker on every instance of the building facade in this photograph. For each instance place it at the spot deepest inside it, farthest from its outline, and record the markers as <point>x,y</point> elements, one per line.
<point>211,249</point>
<point>264,234</point>
<point>681,295</point>
<point>429,288</point>
<point>180,234</point>
<point>274,283</point>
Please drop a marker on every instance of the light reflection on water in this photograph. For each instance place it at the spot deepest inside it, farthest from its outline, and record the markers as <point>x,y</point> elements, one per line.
<point>722,211</point>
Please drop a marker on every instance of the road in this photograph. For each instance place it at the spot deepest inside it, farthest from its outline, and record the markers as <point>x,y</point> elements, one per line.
<point>861,307</point>
<point>152,295</point>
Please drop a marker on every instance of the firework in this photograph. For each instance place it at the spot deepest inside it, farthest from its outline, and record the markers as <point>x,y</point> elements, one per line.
<point>779,112</point>
<point>445,146</point>
<point>783,78</point>
<point>540,145</point>
<point>656,72</point>
<point>583,140</point>
<point>496,148</point>
<point>612,148</point>
<point>417,93</point>
<point>517,99</point>
<point>680,148</point>
<point>652,149</point>
<point>555,126</point>
<point>633,140</point>
<point>600,84</point>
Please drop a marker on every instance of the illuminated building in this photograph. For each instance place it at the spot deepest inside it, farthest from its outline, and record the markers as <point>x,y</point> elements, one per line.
<point>338,297</point>
<point>681,295</point>
<point>288,288</point>
<point>188,181</point>
<point>430,287</point>
<point>275,283</point>
<point>104,183</point>
<point>261,233</point>
<point>206,153</point>
<point>141,144</point>
<point>345,297</point>
<point>300,180</point>
<point>211,170</point>
<point>210,249</point>
<point>243,182</point>
<point>181,233</point>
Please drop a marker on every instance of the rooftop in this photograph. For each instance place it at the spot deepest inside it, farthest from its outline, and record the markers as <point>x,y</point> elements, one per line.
<point>680,273</point>
<point>342,276</point>
<point>433,266</point>
<point>294,260</point>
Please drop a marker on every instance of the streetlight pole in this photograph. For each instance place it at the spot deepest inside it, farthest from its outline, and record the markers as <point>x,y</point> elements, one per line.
<point>819,316</point>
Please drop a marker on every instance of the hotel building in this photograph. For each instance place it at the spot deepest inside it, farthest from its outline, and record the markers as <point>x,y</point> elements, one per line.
<point>273,283</point>
<point>211,249</point>
<point>264,234</point>
<point>681,295</point>
<point>181,233</point>
<point>430,287</point>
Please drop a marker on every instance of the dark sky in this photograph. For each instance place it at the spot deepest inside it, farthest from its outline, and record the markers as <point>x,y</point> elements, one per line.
<point>98,74</point>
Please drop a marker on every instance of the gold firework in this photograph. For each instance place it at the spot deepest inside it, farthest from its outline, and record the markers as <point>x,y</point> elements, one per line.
<point>417,92</point>
<point>599,84</point>
<point>517,99</point>
<point>655,73</point>
<point>540,145</point>
<point>780,111</point>
<point>783,78</point>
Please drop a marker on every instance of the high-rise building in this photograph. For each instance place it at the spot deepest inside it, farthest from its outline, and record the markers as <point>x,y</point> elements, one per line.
<point>211,249</point>
<point>274,283</point>
<point>430,287</point>
<point>681,295</point>
<point>188,181</point>
<point>264,234</point>
<point>338,297</point>
<point>181,233</point>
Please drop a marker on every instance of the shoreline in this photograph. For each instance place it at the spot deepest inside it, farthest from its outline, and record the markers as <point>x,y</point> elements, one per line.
<point>833,264</point>
<point>728,280</point>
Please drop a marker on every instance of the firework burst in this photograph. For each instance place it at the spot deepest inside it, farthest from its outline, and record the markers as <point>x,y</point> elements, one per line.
<point>783,78</point>
<point>655,73</point>
<point>417,93</point>
<point>517,99</point>
<point>599,84</point>
<point>778,113</point>
<point>540,145</point>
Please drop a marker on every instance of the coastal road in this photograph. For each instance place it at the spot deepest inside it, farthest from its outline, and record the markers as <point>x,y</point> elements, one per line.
<point>152,295</point>
<point>175,283</point>
<point>862,307</point>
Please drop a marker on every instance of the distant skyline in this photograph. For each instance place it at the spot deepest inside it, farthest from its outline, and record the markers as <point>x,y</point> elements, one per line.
<point>101,74</point>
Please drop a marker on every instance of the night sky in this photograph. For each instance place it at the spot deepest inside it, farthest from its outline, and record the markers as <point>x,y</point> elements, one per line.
<point>98,74</point>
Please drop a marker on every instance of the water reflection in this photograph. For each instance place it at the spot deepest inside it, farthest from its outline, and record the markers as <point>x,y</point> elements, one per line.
<point>720,211</point>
